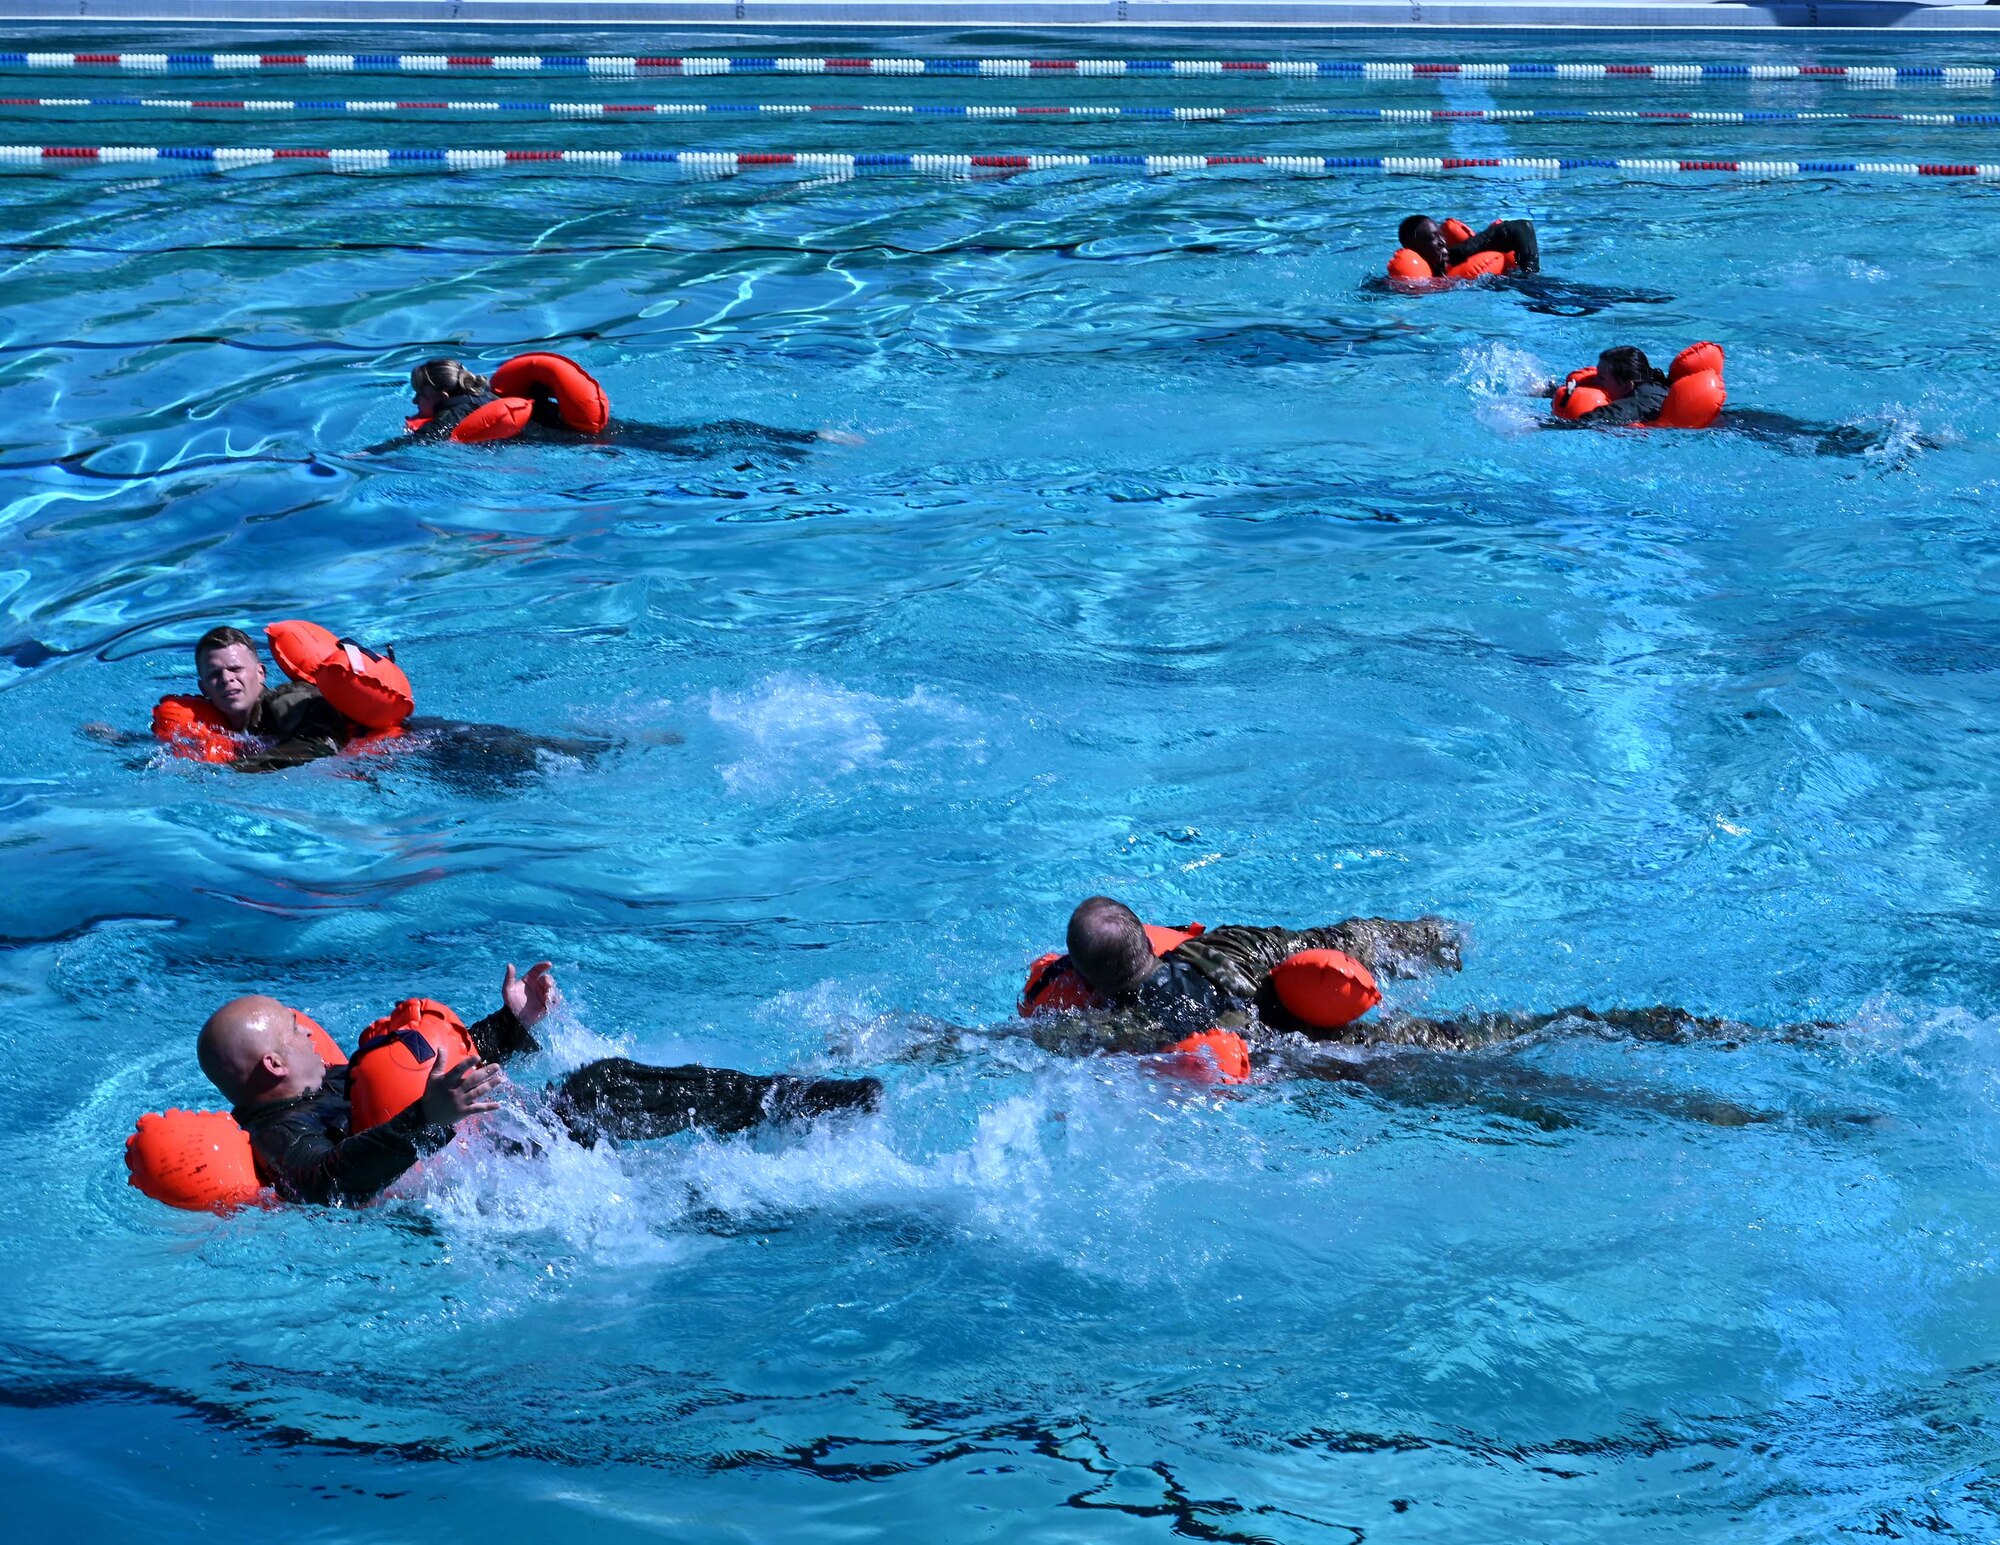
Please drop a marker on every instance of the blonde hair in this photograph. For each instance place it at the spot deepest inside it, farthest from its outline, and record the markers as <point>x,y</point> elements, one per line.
<point>447,378</point>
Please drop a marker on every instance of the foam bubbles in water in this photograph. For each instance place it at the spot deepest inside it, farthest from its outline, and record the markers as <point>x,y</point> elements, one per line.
<point>1502,380</point>
<point>794,729</point>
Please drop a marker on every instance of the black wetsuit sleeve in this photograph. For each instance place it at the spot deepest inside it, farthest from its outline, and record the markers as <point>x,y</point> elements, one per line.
<point>305,1150</point>
<point>500,1035</point>
<point>1645,402</point>
<point>1515,236</point>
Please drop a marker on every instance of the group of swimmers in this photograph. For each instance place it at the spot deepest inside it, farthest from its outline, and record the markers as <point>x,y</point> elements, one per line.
<point>312,1125</point>
<point>1209,1003</point>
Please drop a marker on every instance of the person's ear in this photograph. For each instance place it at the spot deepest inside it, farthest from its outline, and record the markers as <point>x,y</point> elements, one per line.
<point>274,1063</point>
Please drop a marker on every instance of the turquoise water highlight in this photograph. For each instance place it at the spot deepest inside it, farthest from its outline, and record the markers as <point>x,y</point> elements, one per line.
<point>1178,561</point>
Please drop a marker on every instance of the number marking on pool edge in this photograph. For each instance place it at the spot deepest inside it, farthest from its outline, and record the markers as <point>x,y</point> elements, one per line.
<point>724,162</point>
<point>1013,68</point>
<point>1395,115</point>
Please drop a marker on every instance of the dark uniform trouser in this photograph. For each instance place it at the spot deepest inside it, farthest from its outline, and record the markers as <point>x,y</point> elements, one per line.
<point>633,1101</point>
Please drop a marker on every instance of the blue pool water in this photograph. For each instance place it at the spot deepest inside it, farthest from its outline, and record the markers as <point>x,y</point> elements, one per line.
<point>1179,562</point>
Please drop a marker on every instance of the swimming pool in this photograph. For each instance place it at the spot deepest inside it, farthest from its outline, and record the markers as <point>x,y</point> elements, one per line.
<point>1179,561</point>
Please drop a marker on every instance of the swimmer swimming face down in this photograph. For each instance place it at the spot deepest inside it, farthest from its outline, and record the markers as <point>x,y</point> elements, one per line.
<point>1108,946</point>
<point>230,674</point>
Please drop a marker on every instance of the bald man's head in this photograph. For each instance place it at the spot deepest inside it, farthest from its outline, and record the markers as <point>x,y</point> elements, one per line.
<point>1108,945</point>
<point>255,1050</point>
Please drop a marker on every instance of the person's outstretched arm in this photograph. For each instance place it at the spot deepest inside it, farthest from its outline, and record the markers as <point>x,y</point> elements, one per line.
<point>1515,236</point>
<point>524,1001</point>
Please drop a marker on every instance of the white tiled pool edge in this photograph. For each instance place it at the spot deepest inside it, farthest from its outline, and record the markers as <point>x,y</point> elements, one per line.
<point>1093,14</point>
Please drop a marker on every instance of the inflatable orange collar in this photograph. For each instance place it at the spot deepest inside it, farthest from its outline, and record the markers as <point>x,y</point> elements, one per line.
<point>1410,269</point>
<point>1695,393</point>
<point>580,401</point>
<point>367,688</point>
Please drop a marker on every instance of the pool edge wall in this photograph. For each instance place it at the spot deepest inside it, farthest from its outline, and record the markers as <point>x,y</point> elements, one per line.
<point>1107,15</point>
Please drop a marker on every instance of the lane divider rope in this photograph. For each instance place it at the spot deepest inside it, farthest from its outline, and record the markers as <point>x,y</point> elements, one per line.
<point>725,161</point>
<point>1014,68</point>
<point>1175,114</point>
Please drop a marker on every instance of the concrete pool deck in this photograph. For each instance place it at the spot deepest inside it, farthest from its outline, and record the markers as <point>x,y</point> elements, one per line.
<point>1113,17</point>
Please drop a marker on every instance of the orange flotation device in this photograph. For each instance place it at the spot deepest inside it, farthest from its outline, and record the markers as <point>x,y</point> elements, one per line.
<point>1695,393</point>
<point>1411,269</point>
<point>1214,1056</point>
<point>396,1056</point>
<point>1325,988</point>
<point>1057,987</point>
<point>193,727</point>
<point>580,401</point>
<point>201,1160</point>
<point>366,687</point>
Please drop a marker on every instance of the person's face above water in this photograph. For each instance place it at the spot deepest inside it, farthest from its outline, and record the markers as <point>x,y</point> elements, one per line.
<point>426,396</point>
<point>232,679</point>
<point>1427,241</point>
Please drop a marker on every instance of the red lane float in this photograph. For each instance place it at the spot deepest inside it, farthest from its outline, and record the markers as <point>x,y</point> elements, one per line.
<point>396,1056</point>
<point>1325,988</point>
<point>1412,270</point>
<point>1057,987</point>
<point>366,687</point>
<point>201,1160</point>
<point>1695,393</point>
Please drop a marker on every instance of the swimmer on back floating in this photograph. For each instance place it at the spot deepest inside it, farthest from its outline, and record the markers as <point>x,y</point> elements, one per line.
<point>547,397</point>
<point>1433,242</point>
<point>301,1114</point>
<point>1624,389</point>
<point>240,721</point>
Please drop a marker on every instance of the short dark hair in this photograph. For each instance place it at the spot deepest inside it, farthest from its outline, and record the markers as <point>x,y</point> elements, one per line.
<point>1414,229</point>
<point>1630,365</point>
<point>221,638</point>
<point>1108,944</point>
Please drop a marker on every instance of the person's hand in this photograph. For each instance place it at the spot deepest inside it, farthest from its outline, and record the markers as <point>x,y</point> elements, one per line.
<point>1548,388</point>
<point>531,996</point>
<point>841,437</point>
<point>455,1093</point>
